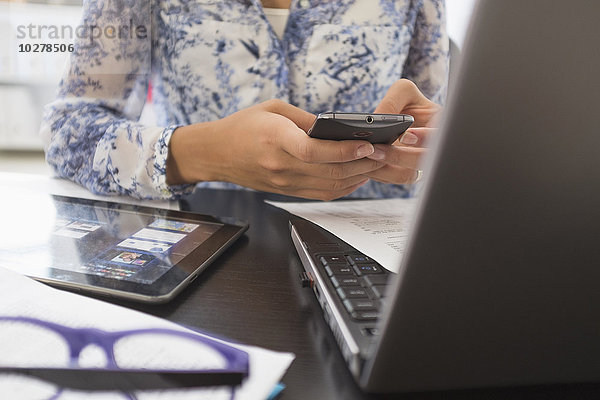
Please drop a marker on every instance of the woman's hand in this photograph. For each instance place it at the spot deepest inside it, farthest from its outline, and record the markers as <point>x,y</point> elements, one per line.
<point>265,147</point>
<point>402,159</point>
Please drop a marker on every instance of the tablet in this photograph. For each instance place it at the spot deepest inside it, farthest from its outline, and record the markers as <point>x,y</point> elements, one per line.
<point>118,250</point>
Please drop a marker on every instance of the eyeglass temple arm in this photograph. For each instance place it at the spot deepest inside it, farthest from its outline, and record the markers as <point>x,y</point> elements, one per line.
<point>129,380</point>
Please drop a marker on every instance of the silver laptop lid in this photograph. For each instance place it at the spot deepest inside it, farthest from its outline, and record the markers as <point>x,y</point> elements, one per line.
<point>500,284</point>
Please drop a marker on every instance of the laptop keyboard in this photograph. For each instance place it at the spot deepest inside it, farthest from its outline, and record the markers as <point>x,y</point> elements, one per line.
<point>359,282</point>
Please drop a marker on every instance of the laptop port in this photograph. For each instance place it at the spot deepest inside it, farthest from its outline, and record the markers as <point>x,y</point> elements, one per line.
<point>370,331</point>
<point>317,292</point>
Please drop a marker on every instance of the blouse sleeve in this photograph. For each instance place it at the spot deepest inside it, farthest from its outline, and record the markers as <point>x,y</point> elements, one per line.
<point>428,57</point>
<point>90,132</point>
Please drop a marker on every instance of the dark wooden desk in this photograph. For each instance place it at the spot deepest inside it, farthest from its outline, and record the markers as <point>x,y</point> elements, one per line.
<point>252,294</point>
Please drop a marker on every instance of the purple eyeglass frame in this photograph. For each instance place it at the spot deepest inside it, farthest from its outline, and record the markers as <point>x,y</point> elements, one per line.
<point>112,377</point>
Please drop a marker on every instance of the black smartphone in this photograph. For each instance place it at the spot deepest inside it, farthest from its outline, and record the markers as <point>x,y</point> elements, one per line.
<point>375,128</point>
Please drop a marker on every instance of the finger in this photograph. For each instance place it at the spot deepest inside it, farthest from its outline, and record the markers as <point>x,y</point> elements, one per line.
<point>395,175</point>
<point>311,150</point>
<point>288,173</point>
<point>297,174</point>
<point>329,194</point>
<point>301,118</point>
<point>415,137</point>
<point>329,185</point>
<point>401,94</point>
<point>290,137</point>
<point>398,156</point>
<point>338,171</point>
<point>406,98</point>
<point>294,184</point>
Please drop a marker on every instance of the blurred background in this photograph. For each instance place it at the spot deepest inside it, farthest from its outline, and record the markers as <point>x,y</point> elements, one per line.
<point>28,80</point>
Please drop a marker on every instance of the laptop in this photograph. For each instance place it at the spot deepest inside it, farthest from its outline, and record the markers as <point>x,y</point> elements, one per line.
<point>499,284</point>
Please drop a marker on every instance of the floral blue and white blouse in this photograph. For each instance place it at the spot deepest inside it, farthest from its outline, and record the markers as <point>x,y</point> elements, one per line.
<point>207,59</point>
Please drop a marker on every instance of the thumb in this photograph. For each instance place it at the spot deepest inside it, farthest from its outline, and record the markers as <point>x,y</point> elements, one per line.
<point>404,97</point>
<point>401,94</point>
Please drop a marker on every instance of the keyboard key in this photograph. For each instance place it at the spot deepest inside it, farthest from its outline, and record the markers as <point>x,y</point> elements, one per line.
<point>352,292</point>
<point>376,279</point>
<point>344,280</point>
<point>339,270</point>
<point>367,269</point>
<point>358,258</point>
<point>371,331</point>
<point>365,315</point>
<point>356,305</point>
<point>379,290</point>
<point>333,259</point>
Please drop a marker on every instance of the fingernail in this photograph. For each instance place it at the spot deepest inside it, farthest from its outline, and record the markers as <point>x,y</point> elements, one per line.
<point>378,154</point>
<point>364,150</point>
<point>409,138</point>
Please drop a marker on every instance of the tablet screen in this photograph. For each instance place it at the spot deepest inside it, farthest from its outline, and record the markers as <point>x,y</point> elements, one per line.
<point>107,245</point>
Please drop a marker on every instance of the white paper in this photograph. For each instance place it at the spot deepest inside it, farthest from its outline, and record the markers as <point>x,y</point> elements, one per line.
<point>10,181</point>
<point>22,296</point>
<point>377,228</point>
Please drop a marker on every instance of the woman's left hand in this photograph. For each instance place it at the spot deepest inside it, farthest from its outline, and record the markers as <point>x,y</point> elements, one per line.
<point>403,157</point>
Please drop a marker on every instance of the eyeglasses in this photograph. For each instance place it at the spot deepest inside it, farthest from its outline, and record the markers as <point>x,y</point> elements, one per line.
<point>129,360</point>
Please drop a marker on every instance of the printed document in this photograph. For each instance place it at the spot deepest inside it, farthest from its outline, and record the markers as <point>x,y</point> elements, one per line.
<point>377,228</point>
<point>21,296</point>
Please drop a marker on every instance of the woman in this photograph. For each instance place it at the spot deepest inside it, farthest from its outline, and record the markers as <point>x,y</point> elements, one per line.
<point>215,68</point>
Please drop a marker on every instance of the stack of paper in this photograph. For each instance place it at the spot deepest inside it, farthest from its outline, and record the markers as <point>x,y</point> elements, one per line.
<point>22,296</point>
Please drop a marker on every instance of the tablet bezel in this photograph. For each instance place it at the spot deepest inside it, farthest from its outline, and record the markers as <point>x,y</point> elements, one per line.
<point>167,286</point>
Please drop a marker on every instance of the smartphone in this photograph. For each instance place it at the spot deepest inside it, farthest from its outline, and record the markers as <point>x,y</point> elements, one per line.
<point>375,128</point>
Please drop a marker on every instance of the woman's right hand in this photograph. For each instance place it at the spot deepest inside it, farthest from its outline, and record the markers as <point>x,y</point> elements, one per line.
<point>265,147</point>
